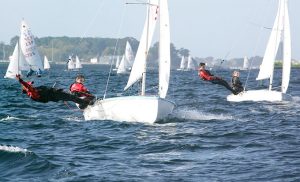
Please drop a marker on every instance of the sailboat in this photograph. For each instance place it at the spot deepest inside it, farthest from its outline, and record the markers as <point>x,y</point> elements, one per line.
<point>123,67</point>
<point>280,33</point>
<point>129,55</point>
<point>142,108</point>
<point>245,63</point>
<point>78,64</point>
<point>190,65</point>
<point>117,64</point>
<point>17,63</point>
<point>182,64</point>
<point>70,64</point>
<point>25,56</point>
<point>126,61</point>
<point>46,63</point>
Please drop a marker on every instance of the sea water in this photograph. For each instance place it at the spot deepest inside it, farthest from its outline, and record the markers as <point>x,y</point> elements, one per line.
<point>205,139</point>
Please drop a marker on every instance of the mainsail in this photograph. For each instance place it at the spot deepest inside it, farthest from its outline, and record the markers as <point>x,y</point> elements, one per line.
<point>164,50</point>
<point>286,65</point>
<point>29,49</point>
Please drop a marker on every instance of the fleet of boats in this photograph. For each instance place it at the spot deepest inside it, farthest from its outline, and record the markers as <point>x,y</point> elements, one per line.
<point>146,107</point>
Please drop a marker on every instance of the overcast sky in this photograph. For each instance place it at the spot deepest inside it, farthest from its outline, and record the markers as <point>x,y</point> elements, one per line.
<point>218,28</point>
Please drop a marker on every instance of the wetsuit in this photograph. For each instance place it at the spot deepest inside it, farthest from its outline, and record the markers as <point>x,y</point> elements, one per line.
<point>207,76</point>
<point>45,94</point>
<point>79,90</point>
<point>237,85</point>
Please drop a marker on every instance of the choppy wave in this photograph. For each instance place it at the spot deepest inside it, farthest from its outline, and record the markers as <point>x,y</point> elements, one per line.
<point>205,139</point>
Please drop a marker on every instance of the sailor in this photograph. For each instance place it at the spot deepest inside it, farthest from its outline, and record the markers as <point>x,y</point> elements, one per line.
<point>78,89</point>
<point>237,85</point>
<point>30,72</point>
<point>45,94</point>
<point>207,76</point>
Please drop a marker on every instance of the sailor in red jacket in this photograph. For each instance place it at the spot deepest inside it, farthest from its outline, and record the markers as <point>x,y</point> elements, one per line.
<point>77,88</point>
<point>207,76</point>
<point>45,94</point>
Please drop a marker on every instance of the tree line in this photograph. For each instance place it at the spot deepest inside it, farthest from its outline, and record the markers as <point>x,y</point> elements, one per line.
<point>58,49</point>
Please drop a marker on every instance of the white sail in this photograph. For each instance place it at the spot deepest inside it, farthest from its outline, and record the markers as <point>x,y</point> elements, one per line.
<point>286,65</point>
<point>145,42</point>
<point>129,55</point>
<point>182,63</point>
<point>29,48</point>
<point>164,49</point>
<point>141,108</point>
<point>46,63</point>
<point>280,32</point>
<point>13,67</point>
<point>190,65</point>
<point>117,62</point>
<point>122,66</point>
<point>267,66</point>
<point>71,64</point>
<point>246,63</point>
<point>78,65</point>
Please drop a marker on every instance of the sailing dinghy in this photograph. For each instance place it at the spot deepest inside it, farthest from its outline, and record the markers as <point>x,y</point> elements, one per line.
<point>142,108</point>
<point>280,33</point>
<point>25,56</point>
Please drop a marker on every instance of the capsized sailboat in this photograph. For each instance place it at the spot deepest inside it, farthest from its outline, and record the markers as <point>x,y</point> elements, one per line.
<point>280,33</point>
<point>143,107</point>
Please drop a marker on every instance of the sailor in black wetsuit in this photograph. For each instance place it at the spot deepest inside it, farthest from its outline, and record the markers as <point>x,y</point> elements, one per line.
<point>237,85</point>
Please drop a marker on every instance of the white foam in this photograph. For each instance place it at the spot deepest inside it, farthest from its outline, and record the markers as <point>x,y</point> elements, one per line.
<point>198,115</point>
<point>12,149</point>
<point>9,118</point>
<point>77,119</point>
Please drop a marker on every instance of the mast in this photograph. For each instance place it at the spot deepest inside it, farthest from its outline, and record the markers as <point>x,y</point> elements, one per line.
<point>52,52</point>
<point>146,53</point>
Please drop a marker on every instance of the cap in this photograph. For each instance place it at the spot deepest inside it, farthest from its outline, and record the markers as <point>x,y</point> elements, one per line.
<point>202,64</point>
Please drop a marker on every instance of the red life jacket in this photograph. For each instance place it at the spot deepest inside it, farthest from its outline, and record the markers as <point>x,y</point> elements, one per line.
<point>78,87</point>
<point>205,75</point>
<point>30,90</point>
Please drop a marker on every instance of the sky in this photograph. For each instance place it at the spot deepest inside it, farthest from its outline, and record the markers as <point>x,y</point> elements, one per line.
<point>220,28</point>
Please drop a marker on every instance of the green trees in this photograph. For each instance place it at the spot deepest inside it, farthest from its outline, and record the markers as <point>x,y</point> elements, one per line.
<point>58,49</point>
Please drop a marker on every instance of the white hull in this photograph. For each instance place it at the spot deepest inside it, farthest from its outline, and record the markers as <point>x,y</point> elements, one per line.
<point>146,109</point>
<point>257,95</point>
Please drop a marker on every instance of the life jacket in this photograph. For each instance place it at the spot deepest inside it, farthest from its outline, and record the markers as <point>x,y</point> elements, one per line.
<point>205,75</point>
<point>30,90</point>
<point>78,88</point>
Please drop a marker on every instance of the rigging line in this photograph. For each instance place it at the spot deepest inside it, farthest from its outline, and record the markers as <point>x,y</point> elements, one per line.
<point>93,20</point>
<point>246,25</point>
<point>256,46</point>
<point>115,49</point>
